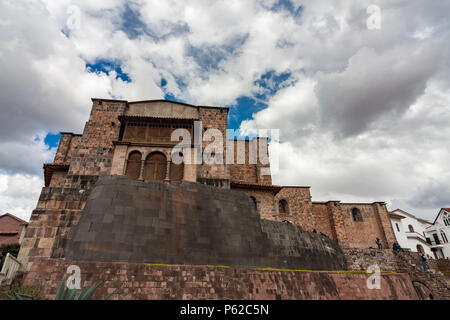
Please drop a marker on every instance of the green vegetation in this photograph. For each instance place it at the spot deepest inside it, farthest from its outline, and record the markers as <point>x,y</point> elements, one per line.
<point>86,293</point>
<point>12,248</point>
<point>24,293</point>
<point>64,293</point>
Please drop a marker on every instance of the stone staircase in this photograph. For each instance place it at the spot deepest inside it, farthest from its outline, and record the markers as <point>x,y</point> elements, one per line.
<point>410,263</point>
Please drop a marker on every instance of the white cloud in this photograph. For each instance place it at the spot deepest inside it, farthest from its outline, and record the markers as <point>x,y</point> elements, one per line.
<point>19,194</point>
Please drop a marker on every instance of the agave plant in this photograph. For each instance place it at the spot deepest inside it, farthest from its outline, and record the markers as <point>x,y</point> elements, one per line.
<point>86,293</point>
<point>20,296</point>
<point>64,293</point>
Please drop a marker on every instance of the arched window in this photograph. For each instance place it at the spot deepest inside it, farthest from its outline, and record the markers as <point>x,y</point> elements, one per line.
<point>254,203</point>
<point>444,237</point>
<point>155,167</point>
<point>420,249</point>
<point>283,206</point>
<point>177,170</point>
<point>356,214</point>
<point>134,165</point>
<point>411,229</point>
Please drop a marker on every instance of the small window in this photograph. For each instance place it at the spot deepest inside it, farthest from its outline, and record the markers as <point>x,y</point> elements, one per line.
<point>444,237</point>
<point>447,222</point>
<point>398,228</point>
<point>283,206</point>
<point>356,214</point>
<point>411,228</point>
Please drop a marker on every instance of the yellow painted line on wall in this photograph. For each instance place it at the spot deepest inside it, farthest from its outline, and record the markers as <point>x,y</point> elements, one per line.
<point>262,269</point>
<point>173,265</point>
<point>325,271</point>
<point>184,265</point>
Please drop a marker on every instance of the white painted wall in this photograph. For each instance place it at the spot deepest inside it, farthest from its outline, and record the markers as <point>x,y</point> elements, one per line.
<point>402,232</point>
<point>440,227</point>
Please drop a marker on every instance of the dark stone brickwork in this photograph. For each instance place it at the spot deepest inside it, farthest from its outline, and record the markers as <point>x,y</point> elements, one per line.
<point>139,281</point>
<point>433,281</point>
<point>154,222</point>
<point>300,248</point>
<point>57,211</point>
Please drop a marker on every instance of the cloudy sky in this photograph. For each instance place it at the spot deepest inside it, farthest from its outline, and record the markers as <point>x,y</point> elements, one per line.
<point>364,112</point>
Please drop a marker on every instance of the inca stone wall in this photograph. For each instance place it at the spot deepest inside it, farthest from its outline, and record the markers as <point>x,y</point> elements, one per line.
<point>57,211</point>
<point>141,281</point>
<point>154,222</point>
<point>431,282</point>
<point>299,248</point>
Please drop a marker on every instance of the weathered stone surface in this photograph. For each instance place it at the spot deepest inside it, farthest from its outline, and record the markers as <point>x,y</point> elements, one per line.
<point>133,221</point>
<point>431,282</point>
<point>139,281</point>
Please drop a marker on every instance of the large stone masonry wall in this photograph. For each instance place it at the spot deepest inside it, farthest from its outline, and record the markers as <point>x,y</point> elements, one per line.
<point>336,218</point>
<point>214,118</point>
<point>95,150</point>
<point>57,211</point>
<point>249,172</point>
<point>300,248</point>
<point>67,144</point>
<point>362,234</point>
<point>323,219</point>
<point>442,265</point>
<point>300,207</point>
<point>430,282</point>
<point>264,201</point>
<point>141,281</point>
<point>189,223</point>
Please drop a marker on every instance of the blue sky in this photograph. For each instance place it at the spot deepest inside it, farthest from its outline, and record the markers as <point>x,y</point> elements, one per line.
<point>244,107</point>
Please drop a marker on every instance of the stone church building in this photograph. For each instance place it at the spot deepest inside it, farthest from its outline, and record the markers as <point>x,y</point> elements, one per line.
<point>133,139</point>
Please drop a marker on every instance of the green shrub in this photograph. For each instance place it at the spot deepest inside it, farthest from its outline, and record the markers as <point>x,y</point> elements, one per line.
<point>28,292</point>
<point>12,248</point>
<point>85,294</point>
<point>35,292</point>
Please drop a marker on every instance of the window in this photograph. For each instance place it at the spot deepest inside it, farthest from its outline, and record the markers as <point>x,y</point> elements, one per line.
<point>447,222</point>
<point>398,228</point>
<point>283,206</point>
<point>436,238</point>
<point>356,214</point>
<point>444,237</point>
<point>411,229</point>
<point>134,165</point>
<point>420,249</point>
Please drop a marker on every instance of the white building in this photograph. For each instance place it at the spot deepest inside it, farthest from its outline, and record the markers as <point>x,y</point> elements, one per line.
<point>438,234</point>
<point>410,232</point>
